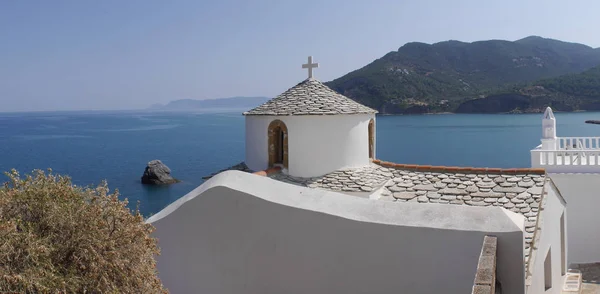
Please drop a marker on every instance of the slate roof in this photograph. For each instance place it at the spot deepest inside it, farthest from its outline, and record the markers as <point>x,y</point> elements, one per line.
<point>517,190</point>
<point>310,97</point>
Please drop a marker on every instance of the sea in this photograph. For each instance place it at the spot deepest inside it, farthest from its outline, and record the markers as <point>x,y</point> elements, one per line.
<point>116,146</point>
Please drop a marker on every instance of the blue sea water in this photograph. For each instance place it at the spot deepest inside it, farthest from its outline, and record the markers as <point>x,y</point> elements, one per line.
<point>91,147</point>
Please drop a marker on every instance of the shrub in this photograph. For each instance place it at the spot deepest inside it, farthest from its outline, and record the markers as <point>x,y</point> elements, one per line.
<point>56,237</point>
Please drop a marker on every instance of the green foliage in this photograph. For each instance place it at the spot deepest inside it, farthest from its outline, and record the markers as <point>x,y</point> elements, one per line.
<point>59,238</point>
<point>419,73</point>
<point>585,84</point>
<point>565,93</point>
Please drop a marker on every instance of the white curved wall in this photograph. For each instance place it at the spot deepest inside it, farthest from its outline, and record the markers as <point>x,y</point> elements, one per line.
<point>242,233</point>
<point>317,145</point>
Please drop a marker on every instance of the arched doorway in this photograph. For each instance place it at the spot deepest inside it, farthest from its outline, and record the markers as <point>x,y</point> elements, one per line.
<point>372,139</point>
<point>278,144</point>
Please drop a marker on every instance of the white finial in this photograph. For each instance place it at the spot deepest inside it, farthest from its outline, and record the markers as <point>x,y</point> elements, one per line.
<point>548,114</point>
<point>549,125</point>
<point>310,66</point>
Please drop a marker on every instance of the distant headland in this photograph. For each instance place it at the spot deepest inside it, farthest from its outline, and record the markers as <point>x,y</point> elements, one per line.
<point>242,103</point>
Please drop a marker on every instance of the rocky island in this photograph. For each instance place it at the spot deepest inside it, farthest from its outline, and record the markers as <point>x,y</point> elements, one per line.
<point>157,173</point>
<point>240,166</point>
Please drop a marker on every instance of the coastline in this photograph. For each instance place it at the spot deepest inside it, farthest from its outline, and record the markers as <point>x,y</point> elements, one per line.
<point>492,113</point>
<point>235,110</point>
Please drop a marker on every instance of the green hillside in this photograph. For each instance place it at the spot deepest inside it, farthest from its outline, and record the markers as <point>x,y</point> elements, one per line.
<point>572,92</point>
<point>440,77</point>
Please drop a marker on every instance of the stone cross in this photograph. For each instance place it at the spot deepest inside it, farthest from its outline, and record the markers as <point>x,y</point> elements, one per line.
<point>310,66</point>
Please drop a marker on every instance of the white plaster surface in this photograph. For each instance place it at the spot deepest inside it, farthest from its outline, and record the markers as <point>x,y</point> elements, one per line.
<point>242,233</point>
<point>553,208</point>
<point>317,144</point>
<point>582,194</point>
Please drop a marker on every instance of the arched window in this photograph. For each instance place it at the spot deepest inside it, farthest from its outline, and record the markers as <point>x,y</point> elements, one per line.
<point>372,139</point>
<point>278,144</point>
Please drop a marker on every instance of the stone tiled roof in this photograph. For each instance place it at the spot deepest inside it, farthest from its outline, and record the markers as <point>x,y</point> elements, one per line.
<point>310,97</point>
<point>517,190</point>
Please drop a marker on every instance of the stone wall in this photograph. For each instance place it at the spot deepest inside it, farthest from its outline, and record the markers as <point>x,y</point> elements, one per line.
<point>485,277</point>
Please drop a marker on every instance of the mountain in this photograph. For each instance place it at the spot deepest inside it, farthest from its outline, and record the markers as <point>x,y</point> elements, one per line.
<point>211,104</point>
<point>439,77</point>
<point>572,92</point>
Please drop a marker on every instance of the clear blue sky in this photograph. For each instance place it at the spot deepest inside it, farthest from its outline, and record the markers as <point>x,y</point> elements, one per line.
<point>129,54</point>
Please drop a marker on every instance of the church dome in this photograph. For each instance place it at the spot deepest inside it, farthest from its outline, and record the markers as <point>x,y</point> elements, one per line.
<point>310,97</point>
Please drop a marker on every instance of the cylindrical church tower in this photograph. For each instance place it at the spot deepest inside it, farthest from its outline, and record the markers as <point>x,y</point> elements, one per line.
<point>310,130</point>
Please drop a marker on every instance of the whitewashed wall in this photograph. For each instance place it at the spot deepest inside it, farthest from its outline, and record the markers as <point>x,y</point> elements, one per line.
<point>550,241</point>
<point>257,140</point>
<point>317,144</point>
<point>582,194</point>
<point>242,233</point>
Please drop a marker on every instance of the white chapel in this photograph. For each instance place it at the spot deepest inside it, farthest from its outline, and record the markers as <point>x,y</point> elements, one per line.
<point>320,213</point>
<point>310,130</point>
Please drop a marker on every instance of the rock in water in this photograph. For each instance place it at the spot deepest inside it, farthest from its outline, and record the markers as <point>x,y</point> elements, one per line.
<point>157,173</point>
<point>597,122</point>
<point>240,166</point>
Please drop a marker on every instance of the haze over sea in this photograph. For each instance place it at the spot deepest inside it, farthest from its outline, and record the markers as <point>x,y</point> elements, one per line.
<point>115,146</point>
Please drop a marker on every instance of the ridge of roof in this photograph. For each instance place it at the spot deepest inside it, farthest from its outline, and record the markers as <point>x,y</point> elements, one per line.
<point>457,169</point>
<point>310,97</point>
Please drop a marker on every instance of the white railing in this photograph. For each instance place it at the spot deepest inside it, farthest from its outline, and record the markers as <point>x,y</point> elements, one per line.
<point>573,154</point>
<point>585,143</point>
<point>567,157</point>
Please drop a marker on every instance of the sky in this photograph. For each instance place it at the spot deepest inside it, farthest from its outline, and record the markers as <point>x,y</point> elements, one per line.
<point>116,55</point>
